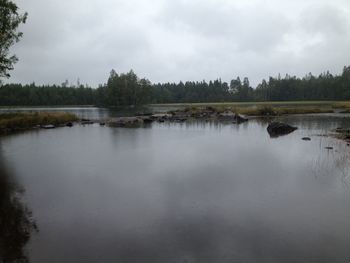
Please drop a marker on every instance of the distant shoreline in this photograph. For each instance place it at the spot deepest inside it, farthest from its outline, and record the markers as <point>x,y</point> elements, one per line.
<point>245,103</point>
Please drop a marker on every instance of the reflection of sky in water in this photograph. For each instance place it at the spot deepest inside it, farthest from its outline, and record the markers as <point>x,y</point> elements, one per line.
<point>191,192</point>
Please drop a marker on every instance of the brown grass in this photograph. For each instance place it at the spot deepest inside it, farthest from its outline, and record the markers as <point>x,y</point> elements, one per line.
<point>19,121</point>
<point>265,110</point>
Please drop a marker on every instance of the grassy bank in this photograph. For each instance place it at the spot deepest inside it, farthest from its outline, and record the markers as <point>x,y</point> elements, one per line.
<point>277,111</point>
<point>269,108</point>
<point>10,122</point>
<point>336,104</point>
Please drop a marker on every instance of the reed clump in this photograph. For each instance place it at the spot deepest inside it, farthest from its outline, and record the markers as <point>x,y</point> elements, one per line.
<point>20,121</point>
<point>277,111</point>
<point>266,110</point>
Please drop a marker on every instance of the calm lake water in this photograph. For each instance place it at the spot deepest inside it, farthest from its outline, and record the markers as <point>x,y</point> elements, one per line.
<point>191,192</point>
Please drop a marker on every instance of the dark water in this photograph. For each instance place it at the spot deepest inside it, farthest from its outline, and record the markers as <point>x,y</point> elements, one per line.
<point>192,192</point>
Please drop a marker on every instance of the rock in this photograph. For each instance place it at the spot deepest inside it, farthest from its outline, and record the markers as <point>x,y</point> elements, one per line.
<point>147,119</point>
<point>181,114</point>
<point>210,109</point>
<point>179,119</point>
<point>201,114</point>
<point>69,124</point>
<point>276,129</point>
<point>306,139</point>
<point>160,117</point>
<point>143,113</point>
<point>127,122</point>
<point>342,130</point>
<point>86,122</point>
<point>238,119</point>
<point>227,113</point>
<point>49,126</point>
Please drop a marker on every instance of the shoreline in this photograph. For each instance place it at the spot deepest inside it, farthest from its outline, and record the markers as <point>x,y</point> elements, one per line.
<point>11,123</point>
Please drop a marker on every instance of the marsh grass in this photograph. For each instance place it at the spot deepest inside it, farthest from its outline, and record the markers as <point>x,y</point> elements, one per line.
<point>307,105</point>
<point>268,110</point>
<point>263,110</point>
<point>20,121</point>
<point>271,108</point>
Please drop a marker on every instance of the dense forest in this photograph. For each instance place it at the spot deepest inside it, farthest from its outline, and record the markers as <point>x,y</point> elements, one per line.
<point>128,89</point>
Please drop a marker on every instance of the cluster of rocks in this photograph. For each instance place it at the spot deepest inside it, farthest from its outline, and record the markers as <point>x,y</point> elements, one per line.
<point>179,117</point>
<point>343,134</point>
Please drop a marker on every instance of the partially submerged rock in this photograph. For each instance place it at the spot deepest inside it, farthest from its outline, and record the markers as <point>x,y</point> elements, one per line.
<point>147,119</point>
<point>160,117</point>
<point>180,116</point>
<point>86,121</point>
<point>342,134</point>
<point>127,122</point>
<point>238,119</point>
<point>276,129</point>
<point>227,113</point>
<point>49,126</point>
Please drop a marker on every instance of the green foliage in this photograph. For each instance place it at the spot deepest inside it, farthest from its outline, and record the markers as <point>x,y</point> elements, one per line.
<point>127,89</point>
<point>124,89</point>
<point>9,22</point>
<point>323,87</point>
<point>32,95</point>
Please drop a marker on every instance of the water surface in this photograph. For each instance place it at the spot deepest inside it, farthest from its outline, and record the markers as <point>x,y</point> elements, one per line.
<point>191,192</point>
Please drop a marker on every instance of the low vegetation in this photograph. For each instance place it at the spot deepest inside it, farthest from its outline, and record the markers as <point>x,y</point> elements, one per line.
<point>277,111</point>
<point>272,109</point>
<point>10,122</point>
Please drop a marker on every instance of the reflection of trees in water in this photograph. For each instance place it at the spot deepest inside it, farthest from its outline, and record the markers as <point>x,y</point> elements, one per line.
<point>334,162</point>
<point>16,221</point>
<point>342,163</point>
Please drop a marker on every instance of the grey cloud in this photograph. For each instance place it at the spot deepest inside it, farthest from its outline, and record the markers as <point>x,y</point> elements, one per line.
<point>166,40</point>
<point>325,19</point>
<point>254,29</point>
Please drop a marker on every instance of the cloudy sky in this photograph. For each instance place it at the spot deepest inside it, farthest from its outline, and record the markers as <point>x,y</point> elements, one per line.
<point>173,40</point>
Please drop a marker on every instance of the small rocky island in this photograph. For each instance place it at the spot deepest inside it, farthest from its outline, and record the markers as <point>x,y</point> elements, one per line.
<point>179,116</point>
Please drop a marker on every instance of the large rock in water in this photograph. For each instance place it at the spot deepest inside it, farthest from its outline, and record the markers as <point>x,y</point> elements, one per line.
<point>276,129</point>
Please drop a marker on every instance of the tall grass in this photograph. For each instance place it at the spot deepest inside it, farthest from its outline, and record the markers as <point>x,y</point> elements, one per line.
<point>265,109</point>
<point>19,121</point>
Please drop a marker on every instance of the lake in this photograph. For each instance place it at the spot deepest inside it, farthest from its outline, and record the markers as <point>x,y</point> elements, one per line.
<point>189,192</point>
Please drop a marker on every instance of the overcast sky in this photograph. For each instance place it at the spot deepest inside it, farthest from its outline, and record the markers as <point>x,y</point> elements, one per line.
<point>173,40</point>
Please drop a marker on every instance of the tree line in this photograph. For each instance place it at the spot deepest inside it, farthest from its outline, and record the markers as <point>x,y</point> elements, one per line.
<point>128,89</point>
